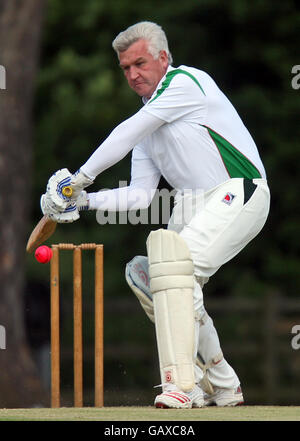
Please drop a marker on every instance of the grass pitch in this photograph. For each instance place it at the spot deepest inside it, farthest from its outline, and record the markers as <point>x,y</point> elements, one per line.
<point>241,413</point>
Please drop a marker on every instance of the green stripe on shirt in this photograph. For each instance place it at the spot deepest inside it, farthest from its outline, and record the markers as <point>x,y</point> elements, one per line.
<point>169,77</point>
<point>237,164</point>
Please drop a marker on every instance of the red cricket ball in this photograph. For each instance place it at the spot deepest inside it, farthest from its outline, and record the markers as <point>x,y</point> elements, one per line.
<point>43,254</point>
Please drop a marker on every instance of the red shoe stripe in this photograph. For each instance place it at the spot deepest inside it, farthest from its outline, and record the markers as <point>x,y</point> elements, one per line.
<point>177,396</point>
<point>181,396</point>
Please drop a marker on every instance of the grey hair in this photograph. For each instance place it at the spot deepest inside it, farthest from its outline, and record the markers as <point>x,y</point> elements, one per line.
<point>145,30</point>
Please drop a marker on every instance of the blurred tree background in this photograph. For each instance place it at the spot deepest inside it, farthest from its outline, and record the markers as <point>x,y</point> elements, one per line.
<point>80,95</point>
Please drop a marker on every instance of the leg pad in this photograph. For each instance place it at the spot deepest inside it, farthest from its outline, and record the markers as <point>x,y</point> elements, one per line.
<point>171,273</point>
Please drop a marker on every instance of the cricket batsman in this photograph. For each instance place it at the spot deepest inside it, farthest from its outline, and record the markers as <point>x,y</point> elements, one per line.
<point>188,132</point>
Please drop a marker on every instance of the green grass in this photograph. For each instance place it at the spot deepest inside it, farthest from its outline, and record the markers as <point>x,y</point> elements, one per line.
<point>242,413</point>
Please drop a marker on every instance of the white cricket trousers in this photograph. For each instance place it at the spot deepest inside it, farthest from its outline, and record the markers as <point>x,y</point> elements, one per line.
<point>219,224</point>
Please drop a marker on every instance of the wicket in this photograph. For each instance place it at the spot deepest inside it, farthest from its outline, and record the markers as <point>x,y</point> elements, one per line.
<point>77,323</point>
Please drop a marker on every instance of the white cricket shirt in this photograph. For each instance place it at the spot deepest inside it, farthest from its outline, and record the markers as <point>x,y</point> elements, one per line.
<point>188,132</point>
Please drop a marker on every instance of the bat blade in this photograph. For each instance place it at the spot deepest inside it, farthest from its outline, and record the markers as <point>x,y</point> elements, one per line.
<point>43,230</point>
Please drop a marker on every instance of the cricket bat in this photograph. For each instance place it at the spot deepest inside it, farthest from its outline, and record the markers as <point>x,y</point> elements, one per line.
<point>45,228</point>
<point>42,231</point>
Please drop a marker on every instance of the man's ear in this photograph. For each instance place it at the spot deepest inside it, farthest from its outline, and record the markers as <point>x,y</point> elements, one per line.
<point>164,58</point>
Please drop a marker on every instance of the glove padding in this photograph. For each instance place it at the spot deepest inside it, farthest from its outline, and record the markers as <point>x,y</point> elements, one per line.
<point>63,178</point>
<point>70,214</point>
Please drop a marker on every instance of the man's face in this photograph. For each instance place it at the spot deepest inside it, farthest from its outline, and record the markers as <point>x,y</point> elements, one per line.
<point>141,70</point>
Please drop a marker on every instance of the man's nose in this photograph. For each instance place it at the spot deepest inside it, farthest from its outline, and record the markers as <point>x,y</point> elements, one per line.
<point>133,73</point>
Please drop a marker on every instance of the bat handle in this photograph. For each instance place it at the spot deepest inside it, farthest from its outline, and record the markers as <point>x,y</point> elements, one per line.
<point>67,191</point>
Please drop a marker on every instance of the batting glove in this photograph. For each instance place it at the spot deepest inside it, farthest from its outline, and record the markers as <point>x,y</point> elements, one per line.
<point>71,212</point>
<point>61,180</point>
<point>79,181</point>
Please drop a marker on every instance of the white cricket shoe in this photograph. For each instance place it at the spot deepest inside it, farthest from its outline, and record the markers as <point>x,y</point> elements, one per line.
<point>172,397</point>
<point>224,397</point>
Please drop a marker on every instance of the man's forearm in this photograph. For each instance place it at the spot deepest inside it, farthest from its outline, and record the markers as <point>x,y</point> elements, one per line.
<point>121,199</point>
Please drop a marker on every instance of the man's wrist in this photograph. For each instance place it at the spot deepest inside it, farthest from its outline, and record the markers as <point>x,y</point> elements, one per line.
<point>83,201</point>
